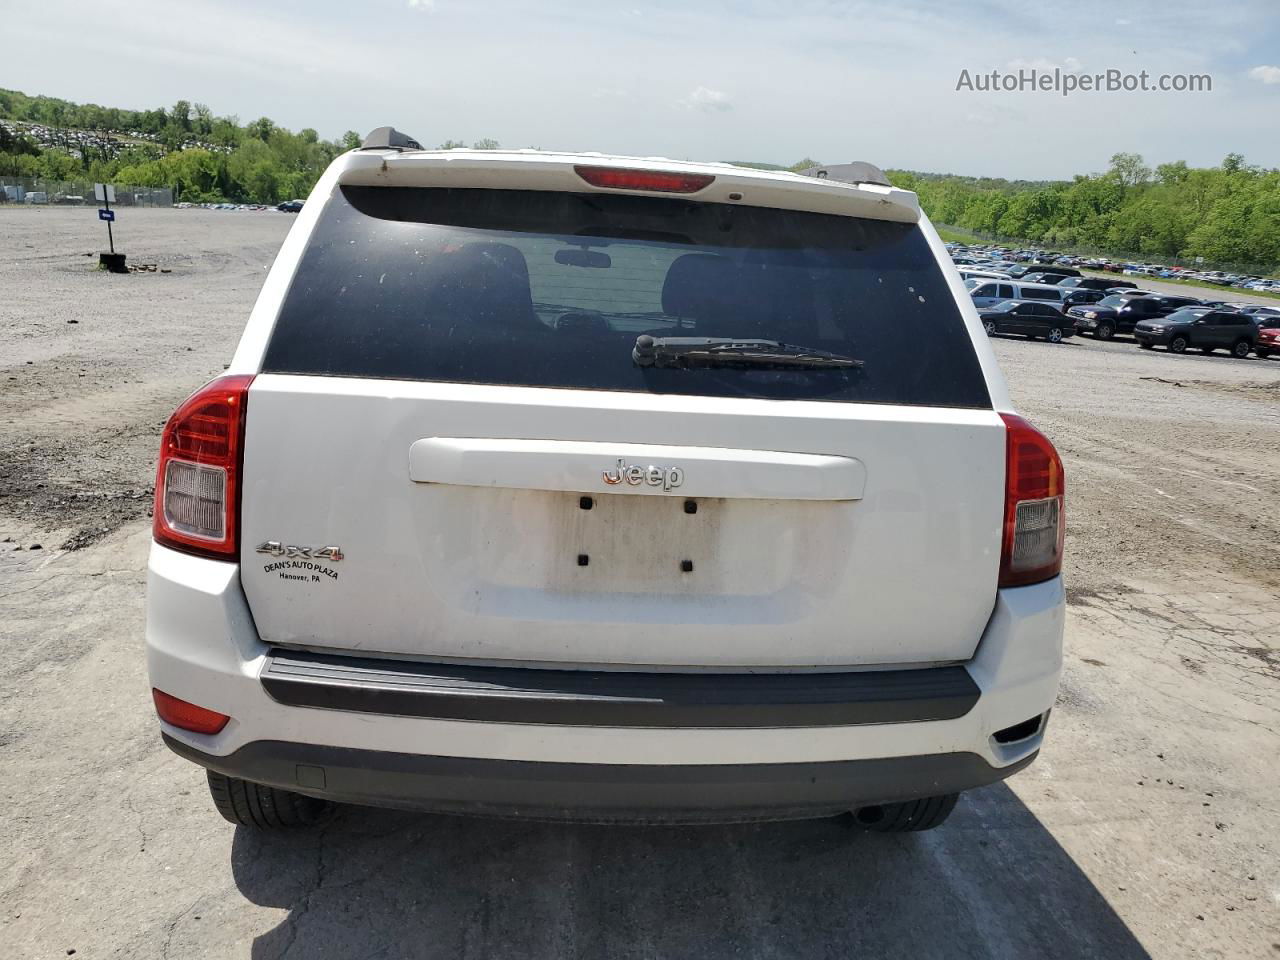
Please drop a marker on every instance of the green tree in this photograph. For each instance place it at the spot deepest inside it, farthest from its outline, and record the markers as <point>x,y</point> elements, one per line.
<point>262,128</point>
<point>1130,169</point>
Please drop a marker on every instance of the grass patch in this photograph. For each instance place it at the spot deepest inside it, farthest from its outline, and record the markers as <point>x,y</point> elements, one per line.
<point>950,236</point>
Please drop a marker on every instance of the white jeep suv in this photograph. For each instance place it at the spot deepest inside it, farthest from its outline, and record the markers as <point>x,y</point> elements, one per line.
<point>605,488</point>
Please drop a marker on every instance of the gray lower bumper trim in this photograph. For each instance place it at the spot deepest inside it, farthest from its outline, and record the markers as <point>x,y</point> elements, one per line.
<point>601,792</point>
<point>617,698</point>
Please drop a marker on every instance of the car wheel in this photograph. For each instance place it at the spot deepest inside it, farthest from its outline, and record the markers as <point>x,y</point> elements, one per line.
<point>1055,335</point>
<point>909,816</point>
<point>255,805</point>
<point>1178,344</point>
<point>1105,331</point>
<point>990,327</point>
<point>1240,349</point>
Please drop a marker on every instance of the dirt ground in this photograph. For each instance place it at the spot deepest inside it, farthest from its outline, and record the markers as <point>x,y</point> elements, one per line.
<point>1150,826</point>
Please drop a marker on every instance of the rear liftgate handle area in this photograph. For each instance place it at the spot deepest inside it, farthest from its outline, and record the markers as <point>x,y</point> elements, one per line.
<point>586,467</point>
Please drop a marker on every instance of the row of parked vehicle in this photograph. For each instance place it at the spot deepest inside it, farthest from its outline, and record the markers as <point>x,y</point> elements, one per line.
<point>1003,256</point>
<point>1054,301</point>
<point>288,206</point>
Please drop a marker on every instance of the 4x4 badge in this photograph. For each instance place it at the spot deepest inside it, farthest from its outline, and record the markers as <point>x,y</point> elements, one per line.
<point>275,548</point>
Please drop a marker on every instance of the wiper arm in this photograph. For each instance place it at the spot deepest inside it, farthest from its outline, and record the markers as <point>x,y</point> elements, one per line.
<point>652,351</point>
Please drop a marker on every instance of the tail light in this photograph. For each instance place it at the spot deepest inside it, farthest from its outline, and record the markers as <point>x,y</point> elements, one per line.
<point>658,181</point>
<point>187,716</point>
<point>197,507</point>
<point>1034,521</point>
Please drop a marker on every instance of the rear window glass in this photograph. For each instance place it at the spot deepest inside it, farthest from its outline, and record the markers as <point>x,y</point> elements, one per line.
<point>546,289</point>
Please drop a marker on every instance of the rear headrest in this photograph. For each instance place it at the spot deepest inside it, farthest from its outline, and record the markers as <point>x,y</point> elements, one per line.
<point>486,284</point>
<point>699,286</point>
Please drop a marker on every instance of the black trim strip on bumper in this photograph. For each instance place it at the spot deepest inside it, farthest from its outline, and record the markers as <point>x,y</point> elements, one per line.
<point>617,698</point>
<point>673,793</point>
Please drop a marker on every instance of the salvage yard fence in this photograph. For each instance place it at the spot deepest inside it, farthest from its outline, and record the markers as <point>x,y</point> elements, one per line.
<point>72,193</point>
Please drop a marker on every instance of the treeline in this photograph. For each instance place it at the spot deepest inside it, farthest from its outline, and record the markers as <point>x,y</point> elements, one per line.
<point>1229,214</point>
<point>257,162</point>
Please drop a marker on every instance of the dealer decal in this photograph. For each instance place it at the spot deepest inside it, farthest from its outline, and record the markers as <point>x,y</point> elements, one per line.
<point>299,563</point>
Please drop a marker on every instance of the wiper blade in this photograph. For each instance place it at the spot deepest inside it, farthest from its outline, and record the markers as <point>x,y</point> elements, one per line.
<point>652,351</point>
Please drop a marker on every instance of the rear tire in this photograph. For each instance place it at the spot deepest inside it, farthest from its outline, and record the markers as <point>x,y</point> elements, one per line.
<point>910,816</point>
<point>250,804</point>
<point>990,327</point>
<point>1105,331</point>
<point>1178,345</point>
<point>1055,335</point>
<point>1240,349</point>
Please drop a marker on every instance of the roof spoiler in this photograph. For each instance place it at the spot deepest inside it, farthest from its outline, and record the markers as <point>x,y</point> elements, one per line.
<point>389,138</point>
<point>856,172</point>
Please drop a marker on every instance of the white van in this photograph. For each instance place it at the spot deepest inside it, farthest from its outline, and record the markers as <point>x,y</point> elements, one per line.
<point>987,293</point>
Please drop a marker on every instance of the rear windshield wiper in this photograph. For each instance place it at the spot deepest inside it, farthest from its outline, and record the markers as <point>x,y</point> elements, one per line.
<point>652,351</point>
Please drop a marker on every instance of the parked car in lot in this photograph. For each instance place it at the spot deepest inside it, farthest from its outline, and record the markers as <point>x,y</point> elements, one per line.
<point>1118,313</point>
<point>990,292</point>
<point>1096,283</point>
<point>1053,278</point>
<point>438,541</point>
<point>1024,269</point>
<point>1259,312</point>
<point>972,273</point>
<point>290,206</point>
<point>1028,318</point>
<point>1268,344</point>
<point>1081,296</point>
<point>1113,314</point>
<point>1206,330</point>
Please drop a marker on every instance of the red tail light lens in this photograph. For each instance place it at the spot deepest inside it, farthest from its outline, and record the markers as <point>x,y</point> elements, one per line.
<point>198,477</point>
<point>1034,521</point>
<point>655,180</point>
<point>187,716</point>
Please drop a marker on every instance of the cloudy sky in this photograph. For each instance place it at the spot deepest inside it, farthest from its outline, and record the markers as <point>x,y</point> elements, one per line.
<point>768,80</point>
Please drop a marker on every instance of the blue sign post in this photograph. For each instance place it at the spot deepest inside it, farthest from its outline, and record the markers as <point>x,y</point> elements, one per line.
<point>106,193</point>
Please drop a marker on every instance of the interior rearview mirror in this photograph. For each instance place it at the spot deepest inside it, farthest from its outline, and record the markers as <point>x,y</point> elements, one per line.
<point>575,257</point>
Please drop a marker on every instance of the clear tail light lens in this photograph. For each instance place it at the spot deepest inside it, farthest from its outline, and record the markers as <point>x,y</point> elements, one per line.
<point>1034,519</point>
<point>197,479</point>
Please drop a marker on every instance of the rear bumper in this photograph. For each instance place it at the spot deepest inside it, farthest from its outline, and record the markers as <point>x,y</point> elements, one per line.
<point>599,792</point>
<point>867,742</point>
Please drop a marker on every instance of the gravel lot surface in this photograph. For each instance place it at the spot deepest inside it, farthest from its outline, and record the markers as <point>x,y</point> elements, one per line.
<point>1150,826</point>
